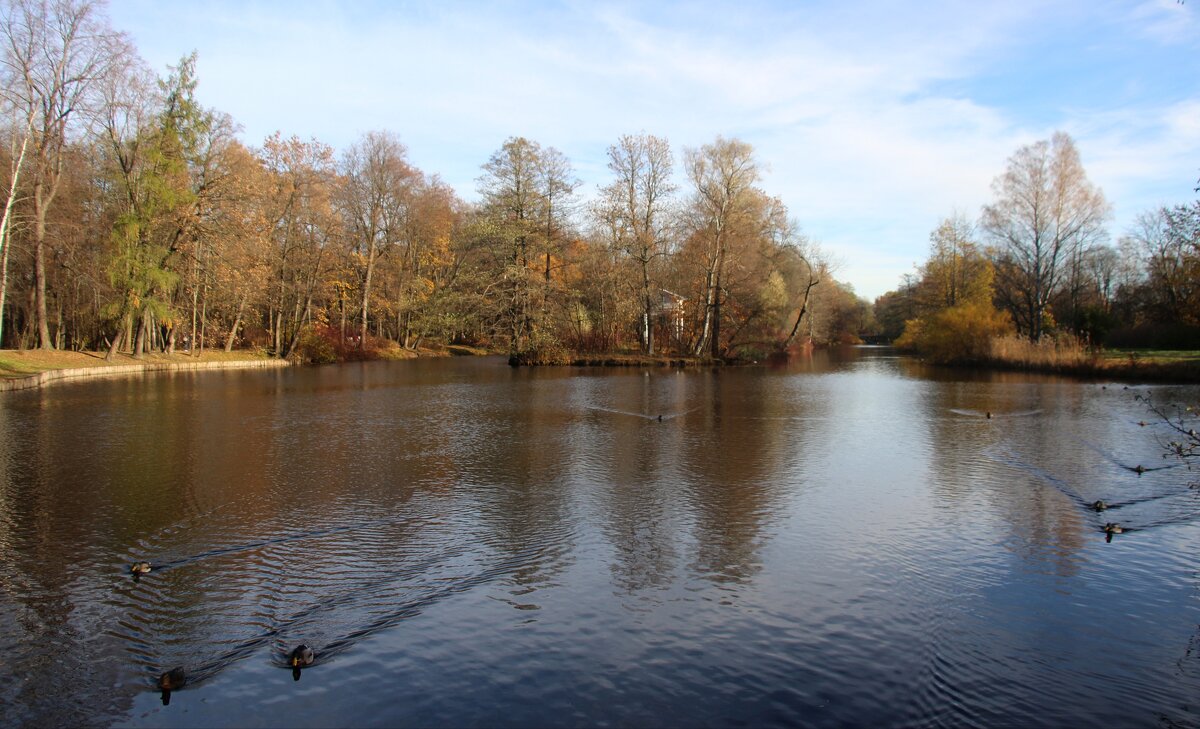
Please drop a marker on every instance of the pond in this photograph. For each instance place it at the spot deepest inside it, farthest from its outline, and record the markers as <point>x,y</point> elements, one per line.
<point>848,539</point>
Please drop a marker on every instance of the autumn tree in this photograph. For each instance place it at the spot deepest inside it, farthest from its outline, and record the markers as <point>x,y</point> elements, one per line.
<point>526,190</point>
<point>957,271</point>
<point>55,54</point>
<point>151,140</point>
<point>303,225</point>
<point>1045,211</point>
<point>722,175</point>
<point>375,199</point>
<point>635,210</point>
<point>557,184</point>
<point>429,265</point>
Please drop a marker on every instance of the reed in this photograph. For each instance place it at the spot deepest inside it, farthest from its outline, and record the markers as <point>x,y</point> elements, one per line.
<point>1064,352</point>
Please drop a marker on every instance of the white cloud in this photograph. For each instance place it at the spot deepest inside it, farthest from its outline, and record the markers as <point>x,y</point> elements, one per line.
<point>868,116</point>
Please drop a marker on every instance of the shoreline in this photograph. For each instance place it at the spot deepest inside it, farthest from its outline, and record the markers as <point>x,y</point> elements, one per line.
<point>1169,373</point>
<point>48,376</point>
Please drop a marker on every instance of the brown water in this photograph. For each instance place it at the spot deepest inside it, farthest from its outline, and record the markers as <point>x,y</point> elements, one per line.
<point>844,541</point>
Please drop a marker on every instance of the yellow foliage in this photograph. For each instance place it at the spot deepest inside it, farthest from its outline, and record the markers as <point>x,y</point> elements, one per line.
<point>962,333</point>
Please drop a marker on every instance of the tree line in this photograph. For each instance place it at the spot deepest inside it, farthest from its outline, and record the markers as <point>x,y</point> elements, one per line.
<point>135,220</point>
<point>1038,263</point>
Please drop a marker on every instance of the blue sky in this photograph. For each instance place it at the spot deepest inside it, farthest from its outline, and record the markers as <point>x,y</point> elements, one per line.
<point>873,120</point>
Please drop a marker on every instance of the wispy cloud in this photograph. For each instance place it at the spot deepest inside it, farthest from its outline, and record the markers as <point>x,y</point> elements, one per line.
<point>874,119</point>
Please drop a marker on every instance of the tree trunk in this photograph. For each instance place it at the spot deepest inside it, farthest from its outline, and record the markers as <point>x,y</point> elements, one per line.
<point>5,224</point>
<point>39,270</point>
<point>116,342</point>
<point>140,342</point>
<point>716,320</point>
<point>237,322</point>
<point>647,311</point>
<point>3,288</point>
<point>203,314</point>
<point>296,334</point>
<point>366,297</point>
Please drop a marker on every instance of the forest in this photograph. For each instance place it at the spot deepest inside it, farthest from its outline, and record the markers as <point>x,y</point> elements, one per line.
<point>135,221</point>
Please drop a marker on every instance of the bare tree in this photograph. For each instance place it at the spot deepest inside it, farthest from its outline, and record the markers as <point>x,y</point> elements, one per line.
<point>723,175</point>
<point>636,208</point>
<point>375,198</point>
<point>1046,211</point>
<point>55,52</point>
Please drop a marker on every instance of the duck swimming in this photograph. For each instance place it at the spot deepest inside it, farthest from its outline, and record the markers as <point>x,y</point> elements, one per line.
<point>1099,505</point>
<point>140,568</point>
<point>300,657</point>
<point>171,681</point>
<point>1110,529</point>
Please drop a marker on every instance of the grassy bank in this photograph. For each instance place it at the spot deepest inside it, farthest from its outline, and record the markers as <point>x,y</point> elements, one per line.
<point>16,364</point>
<point>23,363</point>
<point>1070,358</point>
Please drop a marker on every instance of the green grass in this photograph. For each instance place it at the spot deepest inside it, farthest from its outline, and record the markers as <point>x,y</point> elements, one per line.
<point>1153,356</point>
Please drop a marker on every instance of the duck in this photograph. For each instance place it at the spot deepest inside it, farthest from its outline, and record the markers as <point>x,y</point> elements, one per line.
<point>171,681</point>
<point>301,656</point>
<point>1110,529</point>
<point>1140,469</point>
<point>1099,505</point>
<point>140,568</point>
<point>989,415</point>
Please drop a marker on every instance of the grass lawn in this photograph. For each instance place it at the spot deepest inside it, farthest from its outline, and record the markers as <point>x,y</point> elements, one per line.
<point>20,363</point>
<point>1153,356</point>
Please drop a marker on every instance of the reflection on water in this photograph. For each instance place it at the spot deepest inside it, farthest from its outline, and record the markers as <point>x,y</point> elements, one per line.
<point>853,538</point>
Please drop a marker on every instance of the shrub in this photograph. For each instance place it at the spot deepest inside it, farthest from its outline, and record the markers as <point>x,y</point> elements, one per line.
<point>957,335</point>
<point>315,346</point>
<point>543,348</point>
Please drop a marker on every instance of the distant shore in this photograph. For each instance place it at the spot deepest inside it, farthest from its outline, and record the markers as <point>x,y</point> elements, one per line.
<point>1168,366</point>
<point>616,359</point>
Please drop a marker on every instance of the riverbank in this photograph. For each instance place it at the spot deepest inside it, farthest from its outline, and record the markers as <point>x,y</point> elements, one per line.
<point>26,369</point>
<point>1121,365</point>
<point>1181,367</point>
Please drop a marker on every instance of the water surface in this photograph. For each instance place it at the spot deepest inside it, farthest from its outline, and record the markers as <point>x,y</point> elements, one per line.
<point>846,540</point>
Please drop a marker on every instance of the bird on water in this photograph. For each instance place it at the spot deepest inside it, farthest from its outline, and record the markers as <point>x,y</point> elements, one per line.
<point>171,681</point>
<point>300,657</point>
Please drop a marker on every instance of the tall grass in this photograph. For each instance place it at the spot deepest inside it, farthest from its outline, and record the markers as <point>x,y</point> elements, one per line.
<point>1062,352</point>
